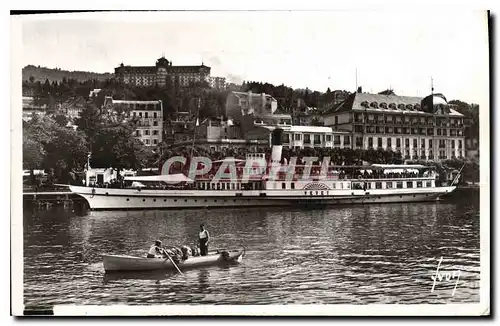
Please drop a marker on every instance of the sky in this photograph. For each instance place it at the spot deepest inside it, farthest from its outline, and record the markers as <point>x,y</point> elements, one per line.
<point>377,50</point>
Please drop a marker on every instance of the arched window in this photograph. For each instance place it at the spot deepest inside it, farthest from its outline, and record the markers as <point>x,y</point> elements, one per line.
<point>374,104</point>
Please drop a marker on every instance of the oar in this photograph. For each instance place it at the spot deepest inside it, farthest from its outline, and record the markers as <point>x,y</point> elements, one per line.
<point>173,263</point>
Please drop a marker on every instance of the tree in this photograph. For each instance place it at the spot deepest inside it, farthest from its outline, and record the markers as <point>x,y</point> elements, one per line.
<point>61,120</point>
<point>48,145</point>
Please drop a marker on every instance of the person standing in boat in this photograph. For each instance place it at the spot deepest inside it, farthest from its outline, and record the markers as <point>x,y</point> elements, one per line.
<point>204,237</point>
<point>156,250</point>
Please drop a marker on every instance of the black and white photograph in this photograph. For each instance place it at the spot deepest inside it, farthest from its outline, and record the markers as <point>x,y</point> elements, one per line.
<point>314,163</point>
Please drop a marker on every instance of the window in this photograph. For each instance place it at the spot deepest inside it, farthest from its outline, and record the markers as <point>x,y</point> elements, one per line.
<point>155,115</point>
<point>388,185</point>
<point>155,141</point>
<point>140,114</point>
<point>336,120</point>
<point>399,184</point>
<point>370,142</point>
<point>292,185</point>
<point>283,185</point>
<point>147,141</point>
<point>307,139</point>
<point>452,143</point>
<point>378,185</point>
<point>155,132</point>
<point>409,184</point>
<point>414,143</point>
<point>428,184</point>
<point>379,142</point>
<point>297,137</point>
<point>398,142</point>
<point>146,132</point>
<point>347,140</point>
<point>407,142</point>
<point>430,143</point>
<point>328,137</point>
<point>389,142</point>
<point>359,141</point>
<point>155,123</point>
<point>146,115</point>
<point>419,184</point>
<point>137,133</point>
<point>336,139</point>
<point>459,144</point>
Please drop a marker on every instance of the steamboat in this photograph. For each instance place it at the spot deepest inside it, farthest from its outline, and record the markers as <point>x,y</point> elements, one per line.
<point>271,184</point>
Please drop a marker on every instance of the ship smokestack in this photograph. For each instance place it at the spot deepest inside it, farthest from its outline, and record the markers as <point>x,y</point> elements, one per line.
<point>277,148</point>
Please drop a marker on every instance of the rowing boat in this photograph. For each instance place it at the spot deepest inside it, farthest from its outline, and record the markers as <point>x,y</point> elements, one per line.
<point>116,263</point>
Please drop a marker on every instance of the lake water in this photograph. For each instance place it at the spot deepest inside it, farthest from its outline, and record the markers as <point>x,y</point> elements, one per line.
<point>356,254</point>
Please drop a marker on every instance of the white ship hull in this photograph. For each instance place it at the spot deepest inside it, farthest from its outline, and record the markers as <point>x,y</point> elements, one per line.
<point>115,199</point>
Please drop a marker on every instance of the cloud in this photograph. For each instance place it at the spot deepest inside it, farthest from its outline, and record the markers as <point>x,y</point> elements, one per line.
<point>232,78</point>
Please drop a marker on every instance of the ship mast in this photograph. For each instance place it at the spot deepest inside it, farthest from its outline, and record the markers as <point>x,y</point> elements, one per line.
<point>195,126</point>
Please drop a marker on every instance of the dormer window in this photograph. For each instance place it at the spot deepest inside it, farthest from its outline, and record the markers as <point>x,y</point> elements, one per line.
<point>392,106</point>
<point>383,105</point>
<point>364,104</point>
<point>374,105</point>
<point>409,107</point>
<point>417,107</point>
<point>401,106</point>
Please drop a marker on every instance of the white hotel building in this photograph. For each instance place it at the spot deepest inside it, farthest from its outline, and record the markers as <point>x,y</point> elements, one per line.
<point>149,114</point>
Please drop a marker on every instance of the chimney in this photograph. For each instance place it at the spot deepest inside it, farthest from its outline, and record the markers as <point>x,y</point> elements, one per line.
<point>263,104</point>
<point>360,89</point>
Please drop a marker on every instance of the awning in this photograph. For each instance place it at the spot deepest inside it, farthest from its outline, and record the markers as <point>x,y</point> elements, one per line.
<point>168,178</point>
<point>400,166</point>
<point>229,159</point>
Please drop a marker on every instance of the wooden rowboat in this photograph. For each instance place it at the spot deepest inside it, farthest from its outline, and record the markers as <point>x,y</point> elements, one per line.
<point>117,263</point>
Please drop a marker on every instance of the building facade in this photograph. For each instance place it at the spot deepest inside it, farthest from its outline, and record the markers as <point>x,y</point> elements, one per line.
<point>29,108</point>
<point>240,104</point>
<point>218,82</point>
<point>162,72</point>
<point>401,123</point>
<point>299,137</point>
<point>149,115</point>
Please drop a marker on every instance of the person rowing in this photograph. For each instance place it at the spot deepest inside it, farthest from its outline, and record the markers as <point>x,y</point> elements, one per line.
<point>156,250</point>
